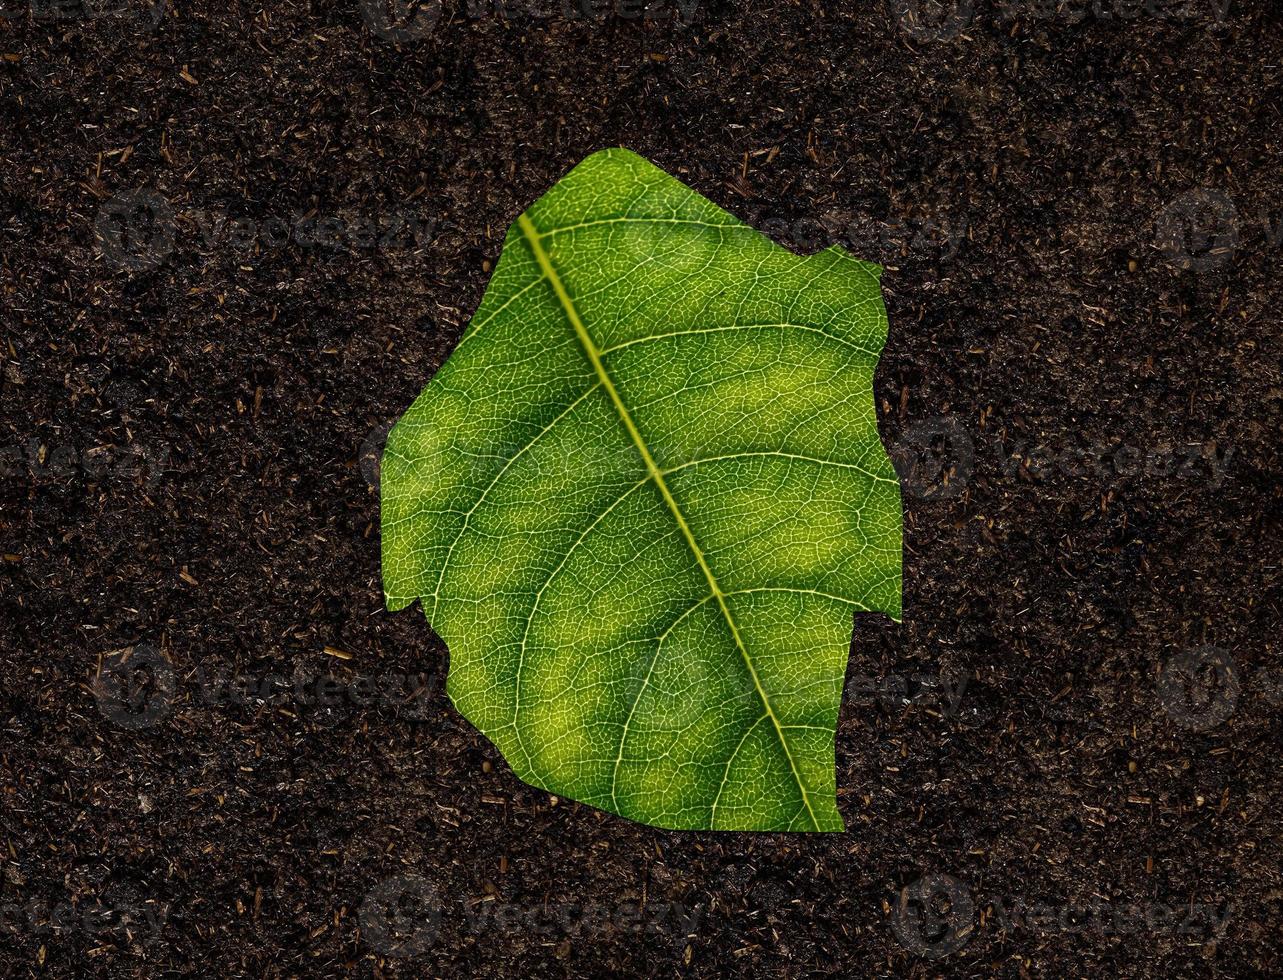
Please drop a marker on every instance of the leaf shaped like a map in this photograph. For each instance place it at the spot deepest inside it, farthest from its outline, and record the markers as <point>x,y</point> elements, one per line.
<point>642,498</point>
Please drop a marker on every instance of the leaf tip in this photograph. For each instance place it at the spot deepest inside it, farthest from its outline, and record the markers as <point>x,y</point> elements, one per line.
<point>615,157</point>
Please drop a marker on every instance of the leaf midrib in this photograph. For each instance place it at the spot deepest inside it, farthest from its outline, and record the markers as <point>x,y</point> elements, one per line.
<point>534,240</point>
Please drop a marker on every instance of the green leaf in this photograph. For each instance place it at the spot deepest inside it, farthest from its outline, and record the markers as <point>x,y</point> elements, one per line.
<point>642,499</point>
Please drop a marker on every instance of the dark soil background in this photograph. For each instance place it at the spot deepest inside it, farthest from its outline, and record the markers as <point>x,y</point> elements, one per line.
<point>237,240</point>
